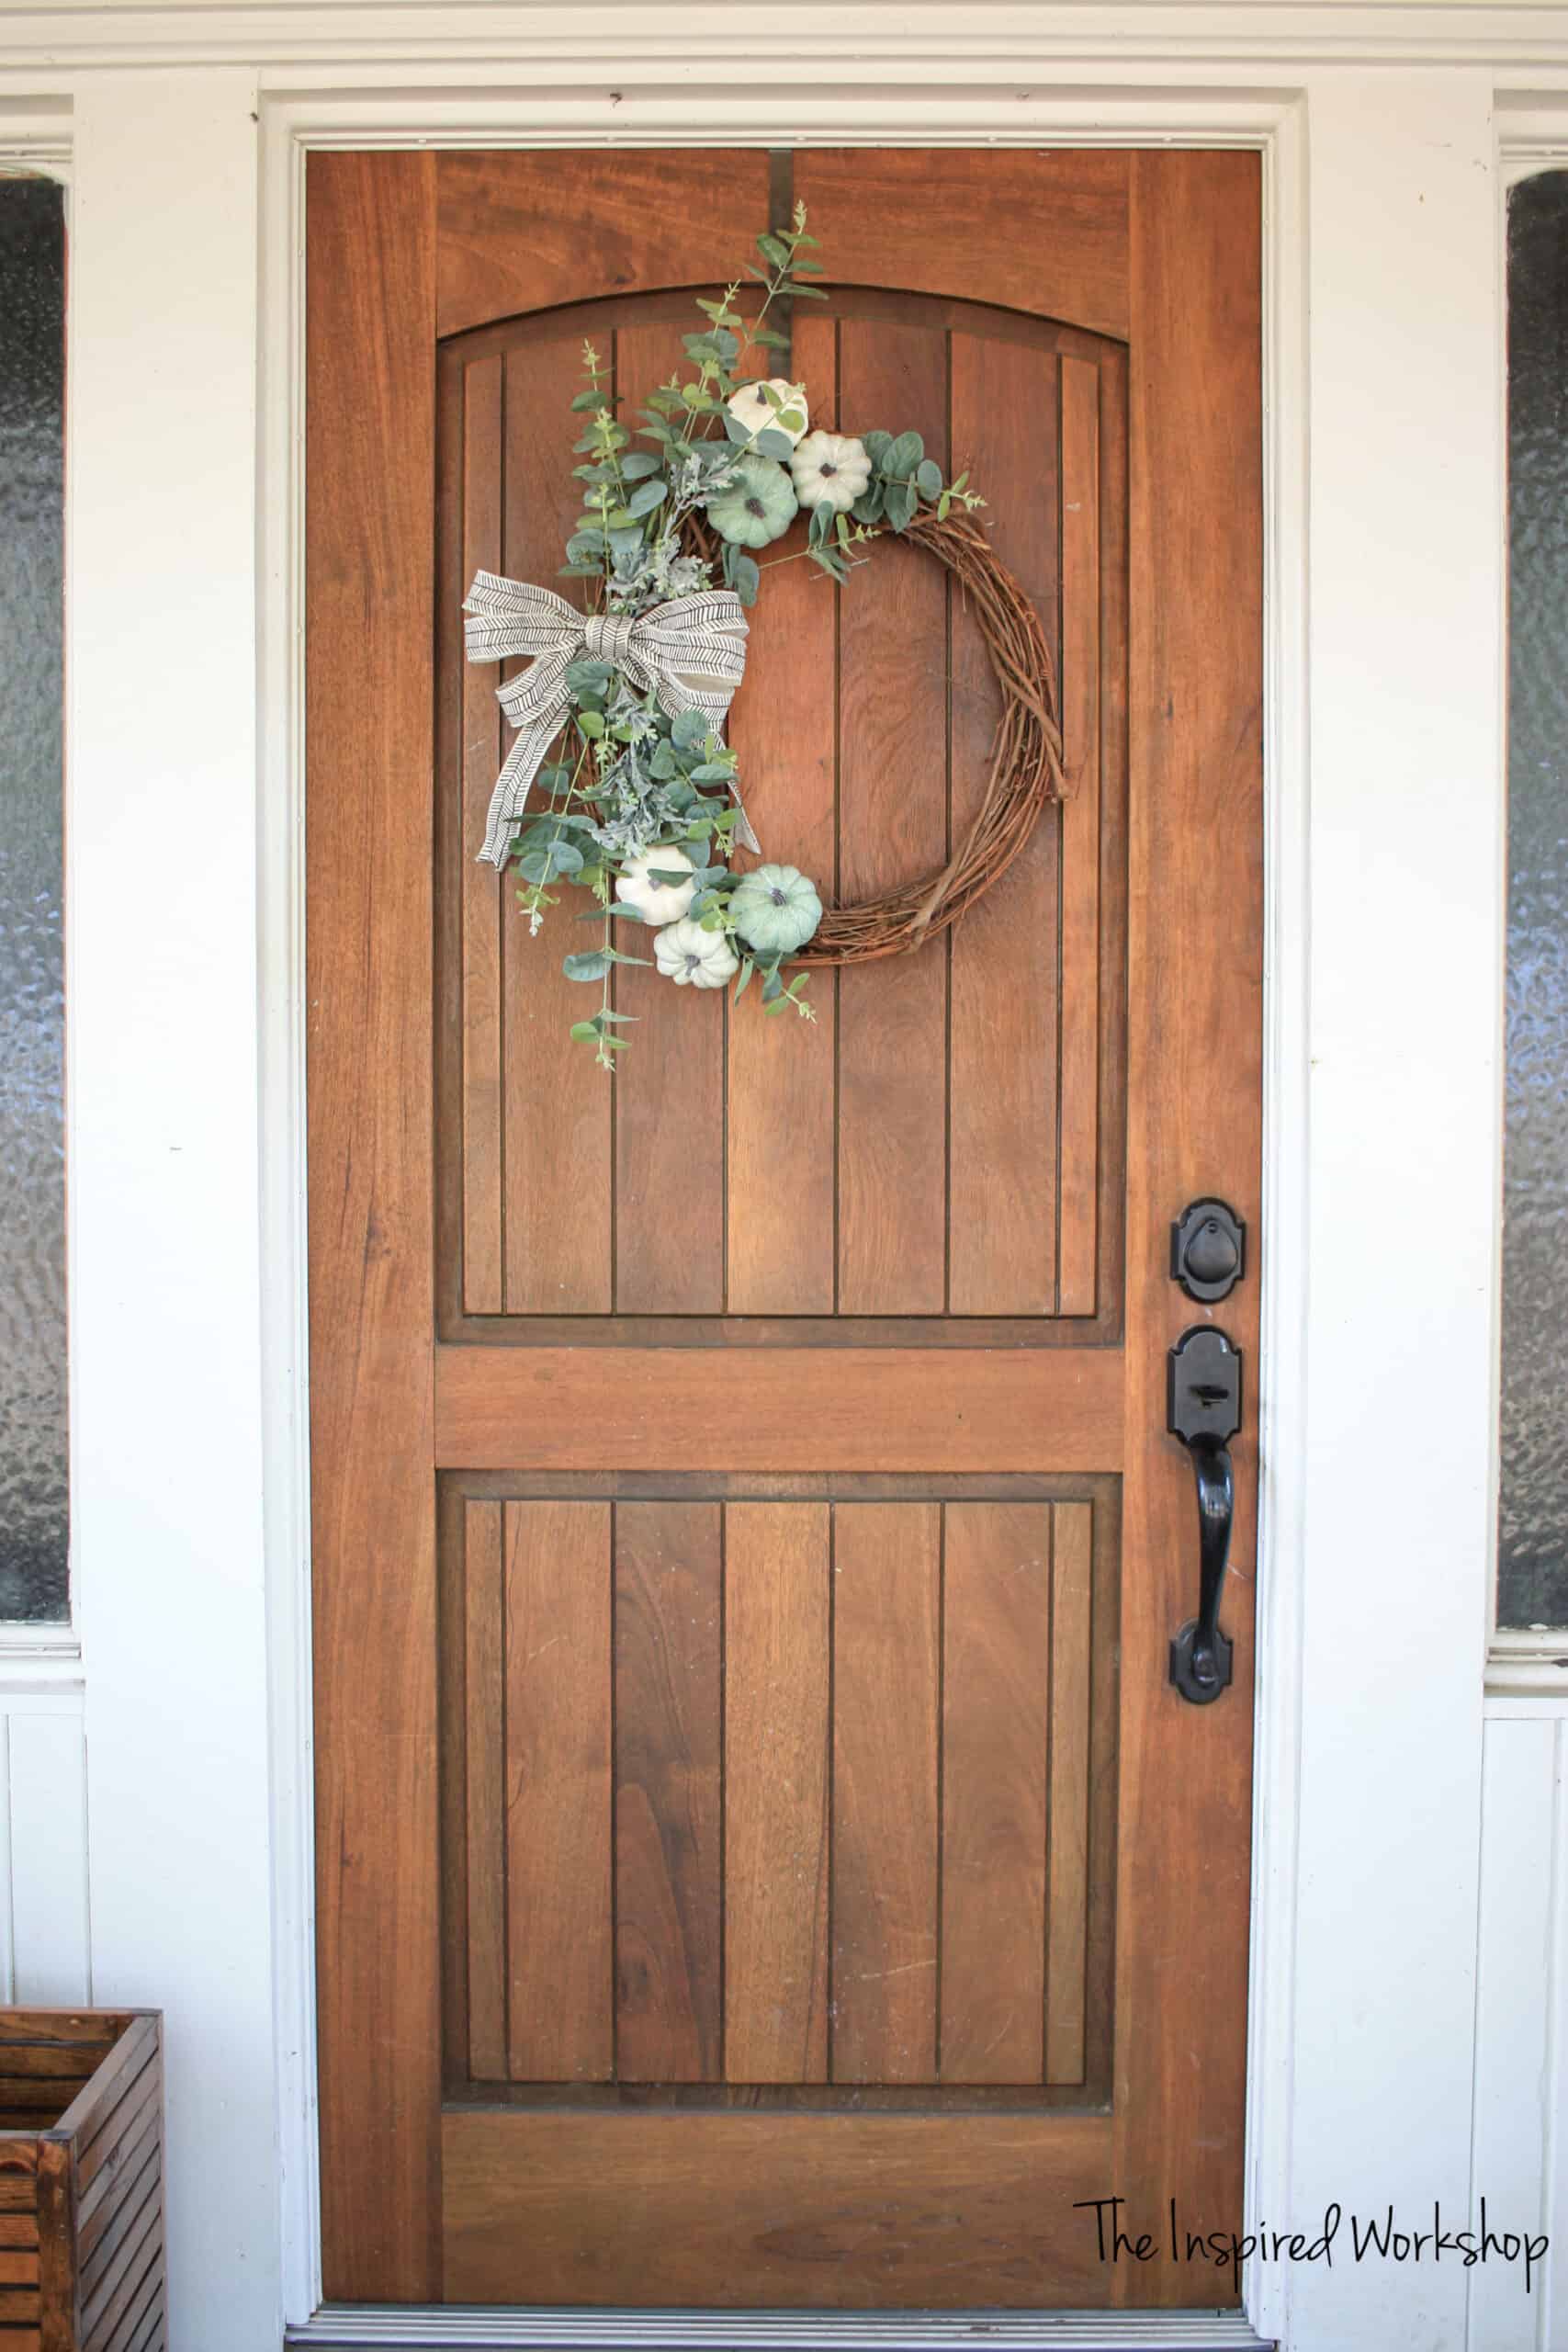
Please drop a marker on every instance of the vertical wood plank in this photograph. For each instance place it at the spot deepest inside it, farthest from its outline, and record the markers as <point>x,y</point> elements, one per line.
<point>669,1084</point>
<point>1195,845</point>
<point>558,1105</point>
<point>887,1580</point>
<point>892,826</point>
<point>1081,655</point>
<point>776,1831</point>
<point>1067,1965</point>
<point>560,2013</point>
<point>1004,954</point>
<point>485,900</point>
<point>996,1618</point>
<point>669,1950</point>
<point>485,1781</point>
<point>781,1077</point>
<point>369,573</point>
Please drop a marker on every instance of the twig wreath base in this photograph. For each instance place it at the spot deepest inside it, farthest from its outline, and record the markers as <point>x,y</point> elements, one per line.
<point>1026,763</point>
<point>619,715</point>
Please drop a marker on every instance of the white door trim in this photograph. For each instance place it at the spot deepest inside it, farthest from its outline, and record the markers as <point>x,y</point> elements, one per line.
<point>296,122</point>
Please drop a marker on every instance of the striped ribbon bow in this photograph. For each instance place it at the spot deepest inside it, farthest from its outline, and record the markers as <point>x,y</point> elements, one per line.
<point>673,651</point>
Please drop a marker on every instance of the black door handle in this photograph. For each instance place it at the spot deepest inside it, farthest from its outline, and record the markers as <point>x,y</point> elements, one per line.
<point>1204,1409</point>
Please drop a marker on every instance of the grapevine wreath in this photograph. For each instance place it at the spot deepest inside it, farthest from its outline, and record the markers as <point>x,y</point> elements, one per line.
<point>620,712</point>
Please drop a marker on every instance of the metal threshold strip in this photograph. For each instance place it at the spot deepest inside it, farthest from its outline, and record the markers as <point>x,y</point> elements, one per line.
<point>476,2329</point>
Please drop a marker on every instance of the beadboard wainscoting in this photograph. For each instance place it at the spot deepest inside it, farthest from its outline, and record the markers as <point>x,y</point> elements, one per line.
<point>44,1952</point>
<point>1521,2037</point>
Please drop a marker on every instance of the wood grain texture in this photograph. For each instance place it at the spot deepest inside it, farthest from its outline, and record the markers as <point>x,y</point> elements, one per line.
<point>668,1086</point>
<point>874,1724</point>
<point>780,1081</point>
<point>886,1703</point>
<point>669,1799</point>
<point>1194,1092</point>
<point>790,1408</point>
<point>1042,234</point>
<point>80,2216</point>
<point>777,1620</point>
<point>528,230</point>
<point>1072,1695</point>
<point>1005,955</point>
<point>558,1140</point>
<point>745,2209</point>
<point>485,1776</point>
<point>1080,829</point>
<point>893,825</point>
<point>369,576</point>
<point>996,1636</point>
<point>560,2013</point>
<point>484,901</point>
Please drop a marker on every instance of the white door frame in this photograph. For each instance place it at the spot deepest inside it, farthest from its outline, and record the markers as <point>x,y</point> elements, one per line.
<point>1383,361</point>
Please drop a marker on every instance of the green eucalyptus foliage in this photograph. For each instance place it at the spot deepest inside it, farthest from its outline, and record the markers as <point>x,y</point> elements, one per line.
<point>624,777</point>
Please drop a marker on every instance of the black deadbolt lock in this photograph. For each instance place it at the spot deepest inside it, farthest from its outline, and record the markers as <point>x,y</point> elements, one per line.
<point>1208,1250</point>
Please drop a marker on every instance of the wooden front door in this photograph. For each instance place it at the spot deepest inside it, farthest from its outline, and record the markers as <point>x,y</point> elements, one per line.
<point>762,1858</point>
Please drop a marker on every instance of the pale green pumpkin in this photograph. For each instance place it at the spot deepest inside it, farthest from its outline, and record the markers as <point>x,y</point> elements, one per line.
<point>759,506</point>
<point>776,909</point>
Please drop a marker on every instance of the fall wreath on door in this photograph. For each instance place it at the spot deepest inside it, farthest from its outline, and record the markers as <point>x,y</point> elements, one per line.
<point>620,712</point>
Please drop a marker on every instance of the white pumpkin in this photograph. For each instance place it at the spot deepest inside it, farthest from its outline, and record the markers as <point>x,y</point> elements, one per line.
<point>656,902</point>
<point>751,407</point>
<point>694,957</point>
<point>830,470</point>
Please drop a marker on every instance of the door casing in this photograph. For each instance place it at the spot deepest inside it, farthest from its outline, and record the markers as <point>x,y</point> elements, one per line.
<point>1272,133</point>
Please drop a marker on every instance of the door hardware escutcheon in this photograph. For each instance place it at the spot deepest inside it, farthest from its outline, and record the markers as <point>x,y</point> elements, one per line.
<point>1208,1250</point>
<point>1204,1409</point>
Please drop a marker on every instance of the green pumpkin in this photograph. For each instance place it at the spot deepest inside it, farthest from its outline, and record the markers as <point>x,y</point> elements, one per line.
<point>776,909</point>
<point>758,505</point>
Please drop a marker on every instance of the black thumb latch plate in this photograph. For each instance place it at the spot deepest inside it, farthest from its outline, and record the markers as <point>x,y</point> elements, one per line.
<point>1204,1387</point>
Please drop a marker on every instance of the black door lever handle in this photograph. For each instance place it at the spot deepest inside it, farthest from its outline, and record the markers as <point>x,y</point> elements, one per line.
<point>1204,1409</point>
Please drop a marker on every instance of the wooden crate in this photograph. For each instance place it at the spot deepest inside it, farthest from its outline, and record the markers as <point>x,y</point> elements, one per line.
<point>80,2180</point>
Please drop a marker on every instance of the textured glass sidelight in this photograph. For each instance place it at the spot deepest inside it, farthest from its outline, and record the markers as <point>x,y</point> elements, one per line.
<point>1533,1519</point>
<point>34,1510</point>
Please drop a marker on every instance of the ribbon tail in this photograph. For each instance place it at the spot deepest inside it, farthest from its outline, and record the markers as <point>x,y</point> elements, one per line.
<point>513,784</point>
<point>743,832</point>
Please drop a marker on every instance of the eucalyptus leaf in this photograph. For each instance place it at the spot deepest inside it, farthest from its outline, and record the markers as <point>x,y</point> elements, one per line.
<point>689,729</point>
<point>747,578</point>
<point>640,462</point>
<point>771,444</point>
<point>645,497</point>
<point>928,478</point>
<point>592,964</point>
<point>902,457</point>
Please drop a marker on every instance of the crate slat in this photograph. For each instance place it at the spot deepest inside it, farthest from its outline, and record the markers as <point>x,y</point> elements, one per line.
<point>80,2181</point>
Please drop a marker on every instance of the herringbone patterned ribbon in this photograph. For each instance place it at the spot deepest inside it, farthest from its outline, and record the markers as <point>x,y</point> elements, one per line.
<point>691,652</point>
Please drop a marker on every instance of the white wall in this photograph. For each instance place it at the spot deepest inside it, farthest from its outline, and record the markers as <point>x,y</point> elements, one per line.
<point>165,1157</point>
<point>1521,2076</point>
<point>45,1960</point>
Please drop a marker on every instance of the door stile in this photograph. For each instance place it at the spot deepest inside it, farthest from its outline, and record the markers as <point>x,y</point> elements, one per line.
<point>371,439</point>
<point>1194,1097</point>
